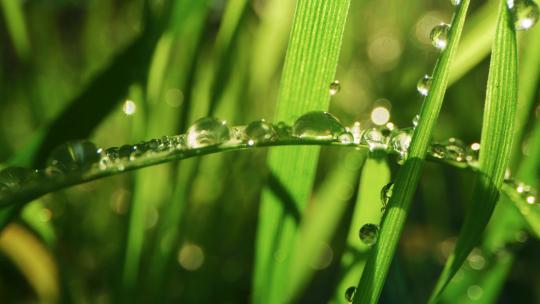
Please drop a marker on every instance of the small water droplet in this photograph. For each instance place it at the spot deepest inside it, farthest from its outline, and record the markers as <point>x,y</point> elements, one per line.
<point>178,142</point>
<point>455,150</point>
<point>437,151</point>
<point>72,156</point>
<point>346,138</point>
<point>356,132</point>
<point>386,194</point>
<point>415,120</point>
<point>125,151</point>
<point>439,36</point>
<point>525,13</point>
<point>318,126</point>
<point>260,131</point>
<point>455,2</point>
<point>335,87</point>
<point>369,234</point>
<point>473,153</point>
<point>14,176</point>
<point>207,131</point>
<point>283,130</point>
<point>349,294</point>
<point>400,143</point>
<point>375,139</point>
<point>424,85</point>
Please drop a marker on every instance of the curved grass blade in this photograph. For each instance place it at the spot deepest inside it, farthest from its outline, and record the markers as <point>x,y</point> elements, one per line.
<point>310,67</point>
<point>496,141</point>
<point>374,275</point>
<point>16,26</point>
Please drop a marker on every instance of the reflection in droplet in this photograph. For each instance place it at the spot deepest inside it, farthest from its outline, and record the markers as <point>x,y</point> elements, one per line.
<point>439,36</point>
<point>129,107</point>
<point>72,156</point>
<point>317,125</point>
<point>369,234</point>
<point>207,131</point>
<point>335,87</point>
<point>424,85</point>
<point>349,294</point>
<point>260,131</point>
<point>525,13</point>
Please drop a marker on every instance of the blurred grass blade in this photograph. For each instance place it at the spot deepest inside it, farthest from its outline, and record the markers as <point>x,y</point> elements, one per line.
<point>375,175</point>
<point>374,275</point>
<point>16,27</point>
<point>310,67</point>
<point>476,42</point>
<point>322,219</point>
<point>496,142</point>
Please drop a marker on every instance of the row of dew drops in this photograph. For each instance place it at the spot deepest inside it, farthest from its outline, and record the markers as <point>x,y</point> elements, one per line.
<point>525,14</point>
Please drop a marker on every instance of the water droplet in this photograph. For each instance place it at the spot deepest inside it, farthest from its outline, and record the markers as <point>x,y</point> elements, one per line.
<point>437,151</point>
<point>439,36</point>
<point>138,150</point>
<point>178,142</point>
<point>455,150</point>
<point>283,130</point>
<point>473,153</point>
<point>318,126</point>
<point>349,294</point>
<point>400,142</point>
<point>369,234</point>
<point>72,156</point>
<point>335,87</point>
<point>14,176</point>
<point>125,151</point>
<point>207,131</point>
<point>356,132</point>
<point>424,85</point>
<point>260,131</point>
<point>386,194</point>
<point>525,13</point>
<point>129,107</point>
<point>346,138</point>
<point>375,139</point>
<point>455,2</point>
<point>415,120</point>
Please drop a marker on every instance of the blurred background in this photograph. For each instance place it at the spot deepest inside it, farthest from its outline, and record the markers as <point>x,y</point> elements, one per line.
<point>122,71</point>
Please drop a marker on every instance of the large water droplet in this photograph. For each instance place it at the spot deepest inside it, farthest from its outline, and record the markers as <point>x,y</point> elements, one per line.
<point>375,139</point>
<point>335,87</point>
<point>260,131</point>
<point>369,234</point>
<point>400,142</point>
<point>349,294</point>
<point>14,176</point>
<point>525,13</point>
<point>424,85</point>
<point>207,131</point>
<point>439,36</point>
<point>72,156</point>
<point>317,125</point>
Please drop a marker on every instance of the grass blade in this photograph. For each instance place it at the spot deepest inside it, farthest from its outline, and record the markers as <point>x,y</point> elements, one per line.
<point>16,26</point>
<point>310,67</point>
<point>496,141</point>
<point>374,275</point>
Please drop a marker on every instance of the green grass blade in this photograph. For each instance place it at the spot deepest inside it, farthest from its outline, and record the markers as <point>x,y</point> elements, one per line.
<point>322,219</point>
<point>374,275</point>
<point>16,26</point>
<point>476,42</point>
<point>496,141</point>
<point>375,175</point>
<point>310,67</point>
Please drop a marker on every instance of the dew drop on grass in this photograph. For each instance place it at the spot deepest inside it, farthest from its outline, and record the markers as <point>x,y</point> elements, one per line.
<point>207,131</point>
<point>400,142</point>
<point>317,126</point>
<point>437,151</point>
<point>424,85</point>
<point>415,120</point>
<point>455,150</point>
<point>283,130</point>
<point>72,156</point>
<point>349,294</point>
<point>455,2</point>
<point>375,139</point>
<point>335,87</point>
<point>369,234</point>
<point>14,176</point>
<point>439,36</point>
<point>346,138</point>
<point>260,131</point>
<point>386,194</point>
<point>525,13</point>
